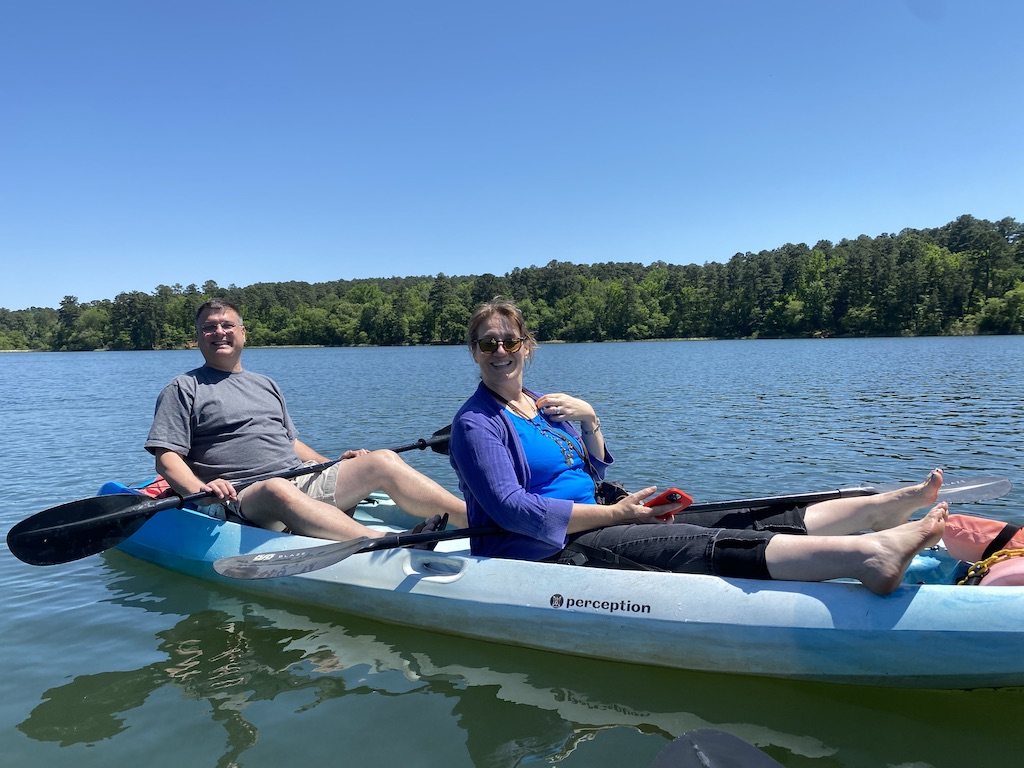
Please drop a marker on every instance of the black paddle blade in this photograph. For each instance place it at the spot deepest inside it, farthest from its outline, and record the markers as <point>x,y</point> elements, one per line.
<point>438,442</point>
<point>81,528</point>
<point>710,748</point>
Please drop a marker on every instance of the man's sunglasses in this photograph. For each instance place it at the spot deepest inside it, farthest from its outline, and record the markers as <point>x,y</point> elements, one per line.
<point>489,345</point>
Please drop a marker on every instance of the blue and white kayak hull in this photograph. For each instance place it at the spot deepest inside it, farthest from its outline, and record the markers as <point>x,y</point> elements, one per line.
<point>922,635</point>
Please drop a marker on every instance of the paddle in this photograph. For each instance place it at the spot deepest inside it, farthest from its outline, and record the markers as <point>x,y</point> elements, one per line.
<point>964,490</point>
<point>291,562</point>
<point>711,748</point>
<point>85,527</point>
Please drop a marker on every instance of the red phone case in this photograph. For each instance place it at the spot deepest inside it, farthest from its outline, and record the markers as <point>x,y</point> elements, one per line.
<point>671,496</point>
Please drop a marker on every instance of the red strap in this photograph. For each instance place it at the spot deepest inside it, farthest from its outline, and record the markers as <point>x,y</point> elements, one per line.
<point>158,489</point>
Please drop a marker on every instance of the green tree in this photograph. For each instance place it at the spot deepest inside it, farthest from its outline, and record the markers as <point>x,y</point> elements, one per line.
<point>486,287</point>
<point>1004,315</point>
<point>67,318</point>
<point>446,316</point>
<point>133,321</point>
<point>92,331</point>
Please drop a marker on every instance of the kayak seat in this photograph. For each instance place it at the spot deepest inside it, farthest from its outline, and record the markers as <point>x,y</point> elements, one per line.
<point>157,488</point>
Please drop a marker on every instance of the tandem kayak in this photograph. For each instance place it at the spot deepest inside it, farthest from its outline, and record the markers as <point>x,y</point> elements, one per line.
<point>929,632</point>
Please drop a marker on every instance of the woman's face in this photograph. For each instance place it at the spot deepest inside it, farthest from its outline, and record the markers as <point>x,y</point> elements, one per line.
<point>501,368</point>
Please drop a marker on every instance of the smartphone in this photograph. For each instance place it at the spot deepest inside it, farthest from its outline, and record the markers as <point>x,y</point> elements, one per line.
<point>671,496</point>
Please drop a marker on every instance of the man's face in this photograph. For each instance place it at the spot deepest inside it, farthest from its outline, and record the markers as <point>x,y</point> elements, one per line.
<point>221,337</point>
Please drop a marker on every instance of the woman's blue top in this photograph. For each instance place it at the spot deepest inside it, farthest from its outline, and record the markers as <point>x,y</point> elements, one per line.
<point>556,460</point>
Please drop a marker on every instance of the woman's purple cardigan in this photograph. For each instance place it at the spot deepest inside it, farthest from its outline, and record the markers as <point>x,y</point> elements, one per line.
<point>493,476</point>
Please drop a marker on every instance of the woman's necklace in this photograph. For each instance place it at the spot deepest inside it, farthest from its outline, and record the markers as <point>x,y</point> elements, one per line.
<point>519,411</point>
<point>558,437</point>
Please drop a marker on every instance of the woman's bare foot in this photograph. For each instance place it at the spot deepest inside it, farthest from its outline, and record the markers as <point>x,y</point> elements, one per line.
<point>895,548</point>
<point>895,507</point>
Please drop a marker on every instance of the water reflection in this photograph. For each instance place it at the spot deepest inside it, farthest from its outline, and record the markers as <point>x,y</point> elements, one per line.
<point>207,658</point>
<point>513,706</point>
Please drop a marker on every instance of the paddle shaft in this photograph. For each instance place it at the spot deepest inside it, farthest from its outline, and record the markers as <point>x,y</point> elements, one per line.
<point>421,444</point>
<point>798,499</point>
<point>434,442</point>
<point>85,527</point>
<point>962,490</point>
<point>149,507</point>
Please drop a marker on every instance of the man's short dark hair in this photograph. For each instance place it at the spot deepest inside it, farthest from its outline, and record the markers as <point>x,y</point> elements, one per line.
<point>221,304</point>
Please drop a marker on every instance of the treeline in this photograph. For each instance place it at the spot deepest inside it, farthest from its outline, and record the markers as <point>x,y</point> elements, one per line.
<point>966,277</point>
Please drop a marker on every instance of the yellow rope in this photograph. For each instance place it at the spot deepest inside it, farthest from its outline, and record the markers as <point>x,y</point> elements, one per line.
<point>980,569</point>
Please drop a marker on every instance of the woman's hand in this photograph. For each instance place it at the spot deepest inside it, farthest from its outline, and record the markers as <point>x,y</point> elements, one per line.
<point>633,510</point>
<point>559,406</point>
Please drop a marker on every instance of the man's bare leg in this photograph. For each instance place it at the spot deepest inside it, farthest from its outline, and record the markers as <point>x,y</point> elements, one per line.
<point>278,504</point>
<point>413,491</point>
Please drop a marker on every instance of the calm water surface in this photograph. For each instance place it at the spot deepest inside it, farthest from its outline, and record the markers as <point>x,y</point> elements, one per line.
<point>113,662</point>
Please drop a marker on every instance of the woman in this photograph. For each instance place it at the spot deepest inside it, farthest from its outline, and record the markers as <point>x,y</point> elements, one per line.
<point>524,466</point>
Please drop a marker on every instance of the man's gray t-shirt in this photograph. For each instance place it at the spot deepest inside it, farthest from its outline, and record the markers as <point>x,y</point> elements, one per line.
<point>230,425</point>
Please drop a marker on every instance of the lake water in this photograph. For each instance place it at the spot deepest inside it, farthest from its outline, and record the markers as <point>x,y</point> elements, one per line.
<point>112,662</point>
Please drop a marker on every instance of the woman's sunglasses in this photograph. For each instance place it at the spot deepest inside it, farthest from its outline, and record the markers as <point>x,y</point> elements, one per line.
<point>489,345</point>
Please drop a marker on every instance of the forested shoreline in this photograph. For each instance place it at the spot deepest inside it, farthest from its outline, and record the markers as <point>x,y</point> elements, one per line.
<point>964,278</point>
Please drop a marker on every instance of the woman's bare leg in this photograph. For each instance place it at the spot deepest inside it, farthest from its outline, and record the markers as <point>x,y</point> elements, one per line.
<point>839,517</point>
<point>878,560</point>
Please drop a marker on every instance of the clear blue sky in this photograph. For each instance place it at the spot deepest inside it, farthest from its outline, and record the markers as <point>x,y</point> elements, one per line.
<point>174,142</point>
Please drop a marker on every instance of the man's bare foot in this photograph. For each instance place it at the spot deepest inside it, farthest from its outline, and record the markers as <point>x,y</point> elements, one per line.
<point>895,507</point>
<point>895,548</point>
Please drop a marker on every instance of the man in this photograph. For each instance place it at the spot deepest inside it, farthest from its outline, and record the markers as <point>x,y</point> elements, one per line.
<point>220,424</point>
